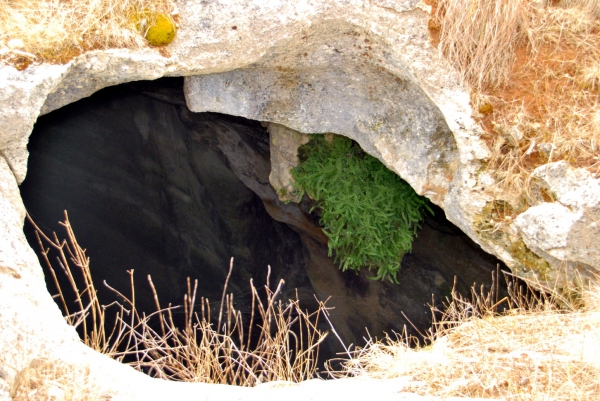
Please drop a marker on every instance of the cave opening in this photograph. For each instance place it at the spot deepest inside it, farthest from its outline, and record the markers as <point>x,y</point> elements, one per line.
<point>144,193</point>
<point>151,186</point>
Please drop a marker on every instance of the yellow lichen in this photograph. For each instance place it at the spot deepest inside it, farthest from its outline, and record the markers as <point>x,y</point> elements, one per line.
<point>486,108</point>
<point>529,260</point>
<point>158,29</point>
<point>491,225</point>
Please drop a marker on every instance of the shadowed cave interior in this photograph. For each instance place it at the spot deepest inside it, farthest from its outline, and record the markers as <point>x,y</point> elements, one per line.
<point>153,187</point>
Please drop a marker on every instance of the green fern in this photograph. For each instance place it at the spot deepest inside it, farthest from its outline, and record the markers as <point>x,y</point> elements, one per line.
<point>369,214</point>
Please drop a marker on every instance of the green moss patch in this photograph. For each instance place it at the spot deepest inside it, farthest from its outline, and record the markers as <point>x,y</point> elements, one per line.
<point>369,214</point>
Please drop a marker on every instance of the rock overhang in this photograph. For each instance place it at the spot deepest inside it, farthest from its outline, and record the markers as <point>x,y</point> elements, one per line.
<point>390,117</point>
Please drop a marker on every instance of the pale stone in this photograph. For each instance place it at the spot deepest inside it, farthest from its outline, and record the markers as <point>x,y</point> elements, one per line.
<point>566,232</point>
<point>15,44</point>
<point>390,117</point>
<point>284,143</point>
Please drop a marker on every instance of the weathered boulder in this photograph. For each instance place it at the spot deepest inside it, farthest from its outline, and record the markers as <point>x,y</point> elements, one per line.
<point>571,222</point>
<point>387,114</point>
<point>284,144</point>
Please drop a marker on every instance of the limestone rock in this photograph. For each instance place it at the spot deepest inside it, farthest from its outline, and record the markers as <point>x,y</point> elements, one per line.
<point>22,96</point>
<point>565,232</point>
<point>284,144</point>
<point>388,115</point>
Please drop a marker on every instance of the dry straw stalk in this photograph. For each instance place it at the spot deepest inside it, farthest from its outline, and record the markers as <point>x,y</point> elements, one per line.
<point>58,30</point>
<point>44,380</point>
<point>524,347</point>
<point>278,341</point>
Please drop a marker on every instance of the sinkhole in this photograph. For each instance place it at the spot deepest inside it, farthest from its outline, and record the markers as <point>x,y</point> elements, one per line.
<point>152,187</point>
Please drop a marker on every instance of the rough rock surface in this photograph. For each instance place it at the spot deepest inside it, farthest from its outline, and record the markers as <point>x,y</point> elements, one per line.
<point>284,143</point>
<point>387,114</point>
<point>391,47</point>
<point>571,222</point>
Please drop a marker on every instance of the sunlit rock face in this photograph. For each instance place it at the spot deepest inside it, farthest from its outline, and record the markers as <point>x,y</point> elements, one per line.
<point>151,186</point>
<point>388,115</point>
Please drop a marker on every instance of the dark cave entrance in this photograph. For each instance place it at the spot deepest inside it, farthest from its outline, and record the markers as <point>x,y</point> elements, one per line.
<point>142,193</point>
<point>153,187</point>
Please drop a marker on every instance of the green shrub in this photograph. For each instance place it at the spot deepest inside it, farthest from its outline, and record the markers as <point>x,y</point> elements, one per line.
<point>369,214</point>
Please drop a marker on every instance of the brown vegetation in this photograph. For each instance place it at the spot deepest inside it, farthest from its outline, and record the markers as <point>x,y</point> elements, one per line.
<point>279,341</point>
<point>58,30</point>
<point>44,380</point>
<point>534,68</point>
<point>524,347</point>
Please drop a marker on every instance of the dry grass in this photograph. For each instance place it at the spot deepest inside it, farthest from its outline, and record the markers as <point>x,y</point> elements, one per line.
<point>88,312</point>
<point>58,30</point>
<point>535,74</point>
<point>278,341</point>
<point>524,347</point>
<point>592,6</point>
<point>44,380</point>
<point>480,37</point>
